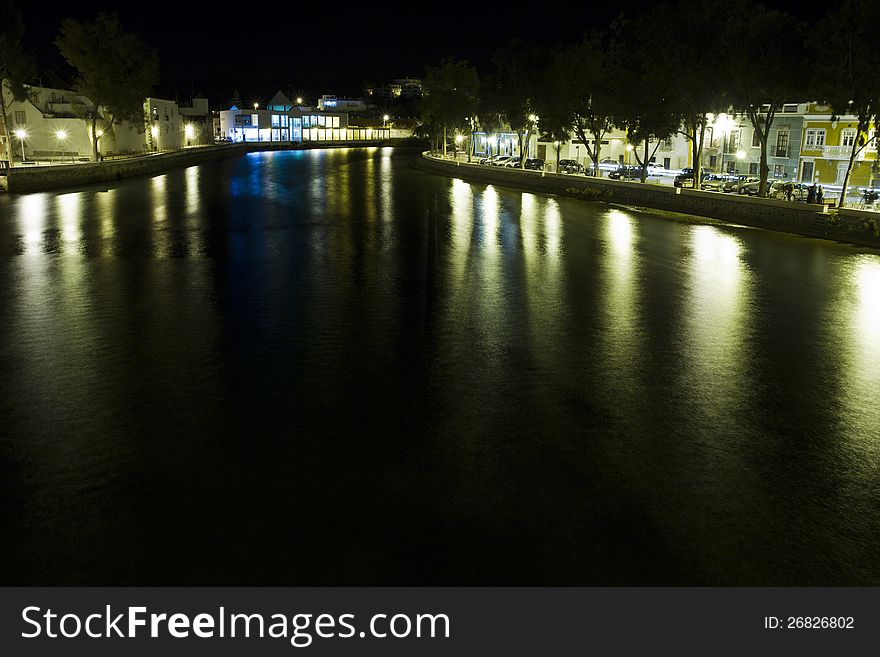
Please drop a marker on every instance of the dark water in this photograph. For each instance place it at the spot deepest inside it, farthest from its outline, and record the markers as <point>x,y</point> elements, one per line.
<point>325,367</point>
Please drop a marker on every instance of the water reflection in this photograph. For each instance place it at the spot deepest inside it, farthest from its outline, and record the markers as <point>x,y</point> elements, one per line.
<point>856,321</point>
<point>622,335</point>
<point>461,226</point>
<point>551,387</point>
<point>69,211</point>
<point>716,322</point>
<point>32,221</point>
<point>105,202</point>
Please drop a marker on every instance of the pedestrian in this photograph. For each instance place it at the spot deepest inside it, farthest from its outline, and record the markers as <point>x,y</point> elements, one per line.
<point>820,195</point>
<point>789,188</point>
<point>811,194</point>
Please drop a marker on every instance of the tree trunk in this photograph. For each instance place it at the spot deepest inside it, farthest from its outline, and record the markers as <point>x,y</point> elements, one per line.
<point>95,135</point>
<point>444,140</point>
<point>6,132</point>
<point>695,157</point>
<point>645,164</point>
<point>523,150</point>
<point>852,159</point>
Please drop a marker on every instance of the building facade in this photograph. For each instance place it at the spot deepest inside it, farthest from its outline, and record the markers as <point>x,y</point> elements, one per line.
<point>281,121</point>
<point>55,125</point>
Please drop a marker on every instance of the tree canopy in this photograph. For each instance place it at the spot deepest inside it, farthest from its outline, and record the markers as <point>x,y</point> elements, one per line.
<point>116,71</point>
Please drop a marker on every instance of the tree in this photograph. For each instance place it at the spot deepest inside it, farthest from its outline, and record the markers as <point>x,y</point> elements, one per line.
<point>760,36</point>
<point>15,66</point>
<point>846,72</point>
<point>236,99</point>
<point>554,123</point>
<point>450,99</point>
<point>116,70</point>
<point>589,93</point>
<point>645,110</point>
<point>518,70</point>
<point>696,85</point>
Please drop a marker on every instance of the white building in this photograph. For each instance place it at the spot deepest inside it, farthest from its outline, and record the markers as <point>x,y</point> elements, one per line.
<point>334,104</point>
<point>282,121</point>
<point>54,125</point>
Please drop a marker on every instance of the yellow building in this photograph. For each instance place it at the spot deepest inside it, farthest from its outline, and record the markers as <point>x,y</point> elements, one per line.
<point>826,147</point>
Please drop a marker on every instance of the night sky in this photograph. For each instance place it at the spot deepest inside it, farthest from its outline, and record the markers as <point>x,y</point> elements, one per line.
<point>336,48</point>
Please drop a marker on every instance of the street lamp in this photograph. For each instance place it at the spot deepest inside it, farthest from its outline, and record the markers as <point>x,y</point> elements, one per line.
<point>458,140</point>
<point>299,100</point>
<point>256,105</point>
<point>629,149</point>
<point>21,134</point>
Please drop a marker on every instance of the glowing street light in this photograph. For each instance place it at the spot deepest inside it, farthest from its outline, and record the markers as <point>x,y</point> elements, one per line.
<point>22,135</point>
<point>256,105</point>
<point>740,154</point>
<point>385,118</point>
<point>188,132</point>
<point>61,134</point>
<point>299,100</point>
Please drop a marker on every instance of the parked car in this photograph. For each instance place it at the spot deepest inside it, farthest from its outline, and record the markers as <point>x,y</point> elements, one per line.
<point>490,159</point>
<point>500,160</point>
<point>780,190</point>
<point>738,182</point>
<point>626,173</point>
<point>535,164</point>
<point>751,188</point>
<point>570,166</point>
<point>608,164</point>
<point>715,182</point>
<point>686,177</point>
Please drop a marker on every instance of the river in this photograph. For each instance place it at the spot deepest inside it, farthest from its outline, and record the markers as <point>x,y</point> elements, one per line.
<point>325,367</point>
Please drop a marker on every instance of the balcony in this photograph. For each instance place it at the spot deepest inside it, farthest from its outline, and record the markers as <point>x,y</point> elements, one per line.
<point>837,152</point>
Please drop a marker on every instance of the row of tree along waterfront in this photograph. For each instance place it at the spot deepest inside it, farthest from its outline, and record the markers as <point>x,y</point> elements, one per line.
<point>668,70</point>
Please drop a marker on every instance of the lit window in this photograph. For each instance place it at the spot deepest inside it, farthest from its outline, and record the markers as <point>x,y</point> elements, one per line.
<point>276,120</point>
<point>847,137</point>
<point>255,120</point>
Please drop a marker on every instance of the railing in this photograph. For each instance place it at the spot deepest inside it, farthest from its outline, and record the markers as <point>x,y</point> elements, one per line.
<point>837,152</point>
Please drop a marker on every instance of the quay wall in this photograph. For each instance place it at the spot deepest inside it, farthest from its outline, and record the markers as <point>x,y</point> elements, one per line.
<point>811,220</point>
<point>59,176</point>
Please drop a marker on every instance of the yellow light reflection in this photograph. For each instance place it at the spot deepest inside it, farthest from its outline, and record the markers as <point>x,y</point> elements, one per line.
<point>159,199</point>
<point>717,313</point>
<point>619,268</point>
<point>386,186</point>
<point>191,191</point>
<point>105,202</point>
<point>70,211</point>
<point>860,309</point>
<point>490,216</point>
<point>32,214</point>
<point>553,229</point>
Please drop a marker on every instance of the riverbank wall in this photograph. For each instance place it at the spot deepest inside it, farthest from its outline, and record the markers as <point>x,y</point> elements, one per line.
<point>810,220</point>
<point>59,176</point>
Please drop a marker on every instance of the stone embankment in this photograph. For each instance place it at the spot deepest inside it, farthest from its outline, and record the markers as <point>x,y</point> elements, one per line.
<point>59,176</point>
<point>811,220</point>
